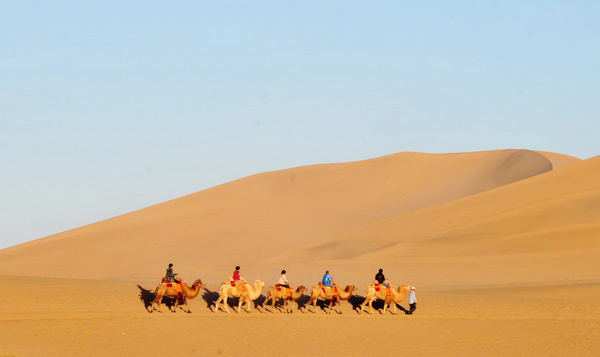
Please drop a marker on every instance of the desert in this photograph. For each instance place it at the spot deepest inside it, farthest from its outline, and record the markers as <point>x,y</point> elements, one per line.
<point>501,245</point>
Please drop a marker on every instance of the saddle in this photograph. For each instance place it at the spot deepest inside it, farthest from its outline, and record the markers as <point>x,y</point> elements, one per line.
<point>240,286</point>
<point>378,287</point>
<point>287,291</point>
<point>329,291</point>
<point>174,285</point>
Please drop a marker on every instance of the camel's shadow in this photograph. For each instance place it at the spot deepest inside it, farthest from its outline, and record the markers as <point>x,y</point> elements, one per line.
<point>324,304</point>
<point>211,297</point>
<point>279,303</point>
<point>147,296</point>
<point>356,301</point>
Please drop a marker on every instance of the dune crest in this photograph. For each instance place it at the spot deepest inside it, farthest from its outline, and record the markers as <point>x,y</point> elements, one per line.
<point>276,213</point>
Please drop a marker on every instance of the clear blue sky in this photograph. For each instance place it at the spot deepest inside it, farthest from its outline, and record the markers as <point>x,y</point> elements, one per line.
<point>112,106</point>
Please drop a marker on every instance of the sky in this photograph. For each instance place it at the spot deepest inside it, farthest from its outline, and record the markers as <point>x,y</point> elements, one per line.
<point>111,106</point>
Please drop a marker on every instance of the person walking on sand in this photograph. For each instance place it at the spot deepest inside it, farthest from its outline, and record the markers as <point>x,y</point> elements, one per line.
<point>412,300</point>
<point>327,280</point>
<point>283,282</point>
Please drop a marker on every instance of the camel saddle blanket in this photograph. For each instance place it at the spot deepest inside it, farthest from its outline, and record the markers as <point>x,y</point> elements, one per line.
<point>240,286</point>
<point>175,286</point>
<point>327,290</point>
<point>287,291</point>
<point>378,288</point>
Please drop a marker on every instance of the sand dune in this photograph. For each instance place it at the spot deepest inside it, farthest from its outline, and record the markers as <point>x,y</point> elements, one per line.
<point>253,220</point>
<point>562,199</point>
<point>503,246</point>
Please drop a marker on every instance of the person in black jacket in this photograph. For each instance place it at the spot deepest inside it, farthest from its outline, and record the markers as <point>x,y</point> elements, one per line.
<point>380,278</point>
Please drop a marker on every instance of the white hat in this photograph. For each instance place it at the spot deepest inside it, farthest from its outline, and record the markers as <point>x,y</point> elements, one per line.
<point>413,288</point>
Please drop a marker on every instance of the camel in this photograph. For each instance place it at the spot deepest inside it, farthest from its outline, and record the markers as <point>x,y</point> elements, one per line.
<point>287,294</point>
<point>187,293</point>
<point>396,296</point>
<point>247,294</point>
<point>326,293</point>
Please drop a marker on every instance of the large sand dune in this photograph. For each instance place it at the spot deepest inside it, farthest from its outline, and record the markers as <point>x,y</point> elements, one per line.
<point>258,218</point>
<point>503,245</point>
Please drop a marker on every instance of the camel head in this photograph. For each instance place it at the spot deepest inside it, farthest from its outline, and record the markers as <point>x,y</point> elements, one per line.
<point>300,289</point>
<point>350,288</point>
<point>258,283</point>
<point>198,282</point>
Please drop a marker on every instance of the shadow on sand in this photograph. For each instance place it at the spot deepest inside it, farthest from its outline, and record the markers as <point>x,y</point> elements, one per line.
<point>211,297</point>
<point>357,300</point>
<point>300,303</point>
<point>147,296</point>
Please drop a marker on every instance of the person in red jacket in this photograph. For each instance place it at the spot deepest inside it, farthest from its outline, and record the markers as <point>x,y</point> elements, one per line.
<point>237,277</point>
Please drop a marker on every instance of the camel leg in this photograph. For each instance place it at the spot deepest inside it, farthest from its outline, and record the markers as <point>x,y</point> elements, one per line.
<point>187,308</point>
<point>240,301</point>
<point>156,301</point>
<point>362,306</point>
<point>249,304</point>
<point>226,304</point>
<point>308,303</point>
<point>314,303</point>
<point>217,303</point>
<point>273,302</point>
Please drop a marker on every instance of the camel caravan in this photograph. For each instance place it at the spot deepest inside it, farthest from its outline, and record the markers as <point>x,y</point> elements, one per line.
<point>326,290</point>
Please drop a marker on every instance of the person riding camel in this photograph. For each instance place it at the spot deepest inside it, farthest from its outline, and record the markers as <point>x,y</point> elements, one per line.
<point>238,278</point>
<point>327,280</point>
<point>380,279</point>
<point>171,278</point>
<point>283,282</point>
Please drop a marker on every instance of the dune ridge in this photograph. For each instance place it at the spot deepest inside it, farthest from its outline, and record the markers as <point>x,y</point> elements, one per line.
<point>301,212</point>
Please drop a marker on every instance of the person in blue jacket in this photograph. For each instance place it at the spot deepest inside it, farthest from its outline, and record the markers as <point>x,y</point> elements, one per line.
<point>327,280</point>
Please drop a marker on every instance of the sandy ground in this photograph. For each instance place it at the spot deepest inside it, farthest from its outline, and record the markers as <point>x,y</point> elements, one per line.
<point>50,317</point>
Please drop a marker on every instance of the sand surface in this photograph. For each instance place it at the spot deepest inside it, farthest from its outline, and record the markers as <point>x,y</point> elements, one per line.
<point>57,317</point>
<point>503,246</point>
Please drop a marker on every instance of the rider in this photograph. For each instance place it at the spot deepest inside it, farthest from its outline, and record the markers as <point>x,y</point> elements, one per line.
<point>283,282</point>
<point>171,277</point>
<point>380,278</point>
<point>327,280</point>
<point>237,277</point>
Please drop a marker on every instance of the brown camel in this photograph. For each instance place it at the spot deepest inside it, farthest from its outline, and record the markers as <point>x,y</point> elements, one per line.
<point>396,296</point>
<point>246,292</point>
<point>287,294</point>
<point>188,292</point>
<point>327,293</point>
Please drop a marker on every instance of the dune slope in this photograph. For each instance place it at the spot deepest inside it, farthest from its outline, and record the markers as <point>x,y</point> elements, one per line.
<point>546,227</point>
<point>254,219</point>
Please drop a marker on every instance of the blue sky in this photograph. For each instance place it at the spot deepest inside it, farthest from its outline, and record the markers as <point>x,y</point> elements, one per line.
<point>111,106</point>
